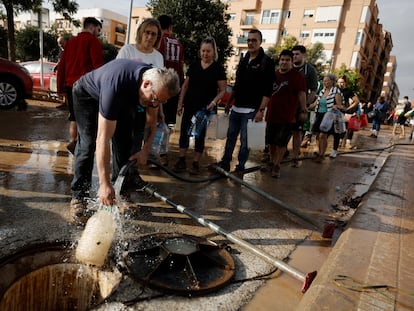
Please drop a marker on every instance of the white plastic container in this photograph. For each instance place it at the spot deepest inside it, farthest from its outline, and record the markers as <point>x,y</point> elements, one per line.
<point>178,120</point>
<point>256,132</point>
<point>212,126</point>
<point>222,125</point>
<point>96,239</point>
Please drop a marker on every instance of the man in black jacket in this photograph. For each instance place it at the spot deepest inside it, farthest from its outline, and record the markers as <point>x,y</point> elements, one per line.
<point>252,90</point>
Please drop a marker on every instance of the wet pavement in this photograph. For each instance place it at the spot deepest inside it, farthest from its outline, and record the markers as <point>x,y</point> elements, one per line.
<point>35,175</point>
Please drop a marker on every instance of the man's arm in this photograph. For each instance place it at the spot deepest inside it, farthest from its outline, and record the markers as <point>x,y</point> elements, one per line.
<point>106,129</point>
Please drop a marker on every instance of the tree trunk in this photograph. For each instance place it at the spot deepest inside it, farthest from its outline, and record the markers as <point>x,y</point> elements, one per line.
<point>10,31</point>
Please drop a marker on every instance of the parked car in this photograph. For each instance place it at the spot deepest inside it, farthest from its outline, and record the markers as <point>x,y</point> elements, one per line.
<point>15,84</point>
<point>49,74</point>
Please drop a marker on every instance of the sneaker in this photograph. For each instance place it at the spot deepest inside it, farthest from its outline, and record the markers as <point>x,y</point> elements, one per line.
<point>305,143</point>
<point>275,173</point>
<point>71,147</point>
<point>195,168</point>
<point>79,211</point>
<point>180,166</point>
<point>295,163</point>
<point>164,160</point>
<point>333,154</point>
<point>319,158</point>
<point>266,158</point>
<point>224,165</point>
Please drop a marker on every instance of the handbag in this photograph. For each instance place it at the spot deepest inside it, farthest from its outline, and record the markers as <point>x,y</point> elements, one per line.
<point>372,114</point>
<point>354,124</point>
<point>327,121</point>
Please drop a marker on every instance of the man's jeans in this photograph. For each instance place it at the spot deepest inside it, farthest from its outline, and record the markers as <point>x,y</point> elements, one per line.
<point>237,124</point>
<point>86,115</point>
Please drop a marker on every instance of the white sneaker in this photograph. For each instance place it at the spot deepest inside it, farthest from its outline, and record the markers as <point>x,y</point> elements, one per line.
<point>333,154</point>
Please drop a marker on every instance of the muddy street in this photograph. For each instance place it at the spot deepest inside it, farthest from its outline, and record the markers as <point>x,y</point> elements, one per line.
<point>36,171</point>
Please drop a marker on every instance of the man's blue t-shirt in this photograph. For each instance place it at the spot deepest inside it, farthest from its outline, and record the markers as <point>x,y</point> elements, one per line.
<point>115,86</point>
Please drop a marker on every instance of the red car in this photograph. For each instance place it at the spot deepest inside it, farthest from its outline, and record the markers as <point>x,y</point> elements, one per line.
<point>15,84</point>
<point>49,75</point>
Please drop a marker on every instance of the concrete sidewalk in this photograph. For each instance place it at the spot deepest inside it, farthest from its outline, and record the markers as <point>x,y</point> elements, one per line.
<point>376,248</point>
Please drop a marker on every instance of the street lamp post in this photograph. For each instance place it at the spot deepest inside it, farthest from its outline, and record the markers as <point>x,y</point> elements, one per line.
<point>129,21</point>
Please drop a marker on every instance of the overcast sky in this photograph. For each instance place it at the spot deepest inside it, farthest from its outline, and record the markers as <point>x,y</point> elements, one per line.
<point>396,17</point>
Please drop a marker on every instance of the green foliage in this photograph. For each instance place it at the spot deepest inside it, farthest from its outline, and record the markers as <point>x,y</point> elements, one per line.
<point>314,53</point>
<point>12,7</point>
<point>109,51</point>
<point>352,76</point>
<point>195,20</point>
<point>27,44</point>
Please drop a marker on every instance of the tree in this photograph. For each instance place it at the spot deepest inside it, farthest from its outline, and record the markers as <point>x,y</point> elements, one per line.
<point>194,20</point>
<point>314,53</point>
<point>353,78</point>
<point>27,44</point>
<point>66,7</point>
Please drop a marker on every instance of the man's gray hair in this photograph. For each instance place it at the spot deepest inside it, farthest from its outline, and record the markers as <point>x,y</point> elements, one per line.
<point>163,78</point>
<point>331,77</point>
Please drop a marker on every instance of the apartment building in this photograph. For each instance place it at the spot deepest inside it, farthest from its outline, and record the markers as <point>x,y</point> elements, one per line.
<point>349,30</point>
<point>114,25</point>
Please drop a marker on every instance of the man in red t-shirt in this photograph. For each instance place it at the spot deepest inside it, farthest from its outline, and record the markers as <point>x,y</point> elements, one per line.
<point>82,54</point>
<point>289,96</point>
<point>173,52</point>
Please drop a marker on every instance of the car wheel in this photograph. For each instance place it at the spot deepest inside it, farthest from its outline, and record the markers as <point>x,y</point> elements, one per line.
<point>10,93</point>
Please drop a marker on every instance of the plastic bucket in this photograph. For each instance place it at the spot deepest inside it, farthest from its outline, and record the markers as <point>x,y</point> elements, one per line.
<point>256,135</point>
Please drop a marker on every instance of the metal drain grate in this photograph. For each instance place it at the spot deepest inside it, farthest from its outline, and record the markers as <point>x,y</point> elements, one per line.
<point>180,264</point>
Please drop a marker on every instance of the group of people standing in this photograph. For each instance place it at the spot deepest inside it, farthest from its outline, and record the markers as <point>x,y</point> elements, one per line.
<point>118,105</point>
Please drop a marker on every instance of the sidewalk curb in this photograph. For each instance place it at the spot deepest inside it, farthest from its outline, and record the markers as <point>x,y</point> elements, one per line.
<point>371,248</point>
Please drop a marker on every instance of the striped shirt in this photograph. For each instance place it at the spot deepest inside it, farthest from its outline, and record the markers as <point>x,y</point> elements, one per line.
<point>330,99</point>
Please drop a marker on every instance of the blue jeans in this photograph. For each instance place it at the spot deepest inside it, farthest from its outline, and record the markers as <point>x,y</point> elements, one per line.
<point>376,124</point>
<point>86,115</point>
<point>237,125</point>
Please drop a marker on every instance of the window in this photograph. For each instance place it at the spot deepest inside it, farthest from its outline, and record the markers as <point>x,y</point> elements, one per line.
<point>249,19</point>
<point>270,17</point>
<point>326,35</point>
<point>305,34</point>
<point>232,16</point>
<point>328,14</point>
<point>360,37</point>
<point>308,13</point>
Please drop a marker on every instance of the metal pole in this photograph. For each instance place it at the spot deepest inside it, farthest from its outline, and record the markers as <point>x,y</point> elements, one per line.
<point>129,21</point>
<point>306,279</point>
<point>269,197</point>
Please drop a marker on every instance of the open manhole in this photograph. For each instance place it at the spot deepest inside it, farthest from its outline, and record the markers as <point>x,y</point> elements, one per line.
<point>179,264</point>
<point>47,277</point>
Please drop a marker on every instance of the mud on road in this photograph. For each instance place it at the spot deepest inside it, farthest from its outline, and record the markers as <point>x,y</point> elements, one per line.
<point>36,171</point>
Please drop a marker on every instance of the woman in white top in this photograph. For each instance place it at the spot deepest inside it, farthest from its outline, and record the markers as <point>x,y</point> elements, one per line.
<point>148,40</point>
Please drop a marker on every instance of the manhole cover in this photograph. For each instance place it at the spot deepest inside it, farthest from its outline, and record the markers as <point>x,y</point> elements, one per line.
<point>179,264</point>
